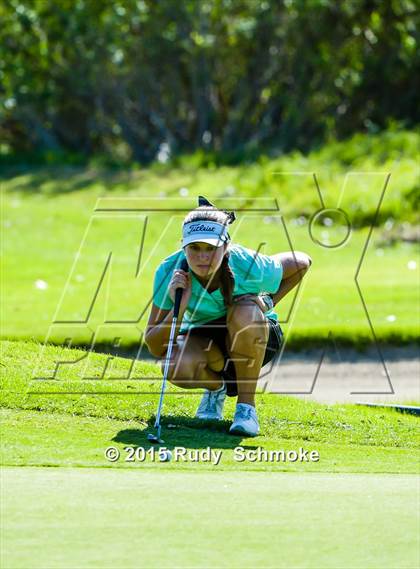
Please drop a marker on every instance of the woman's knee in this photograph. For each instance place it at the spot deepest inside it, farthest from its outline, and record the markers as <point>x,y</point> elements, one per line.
<point>243,313</point>
<point>183,367</point>
<point>247,322</point>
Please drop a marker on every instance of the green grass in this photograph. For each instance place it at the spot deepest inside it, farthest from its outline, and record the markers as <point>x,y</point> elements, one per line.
<point>340,429</point>
<point>288,178</point>
<point>91,518</point>
<point>45,220</point>
<point>354,508</point>
<point>33,438</point>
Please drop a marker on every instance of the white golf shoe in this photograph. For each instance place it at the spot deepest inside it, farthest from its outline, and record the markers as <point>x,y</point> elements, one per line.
<point>211,405</point>
<point>245,421</point>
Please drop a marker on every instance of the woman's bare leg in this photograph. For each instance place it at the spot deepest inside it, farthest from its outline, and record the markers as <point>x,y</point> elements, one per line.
<point>248,335</point>
<point>194,365</point>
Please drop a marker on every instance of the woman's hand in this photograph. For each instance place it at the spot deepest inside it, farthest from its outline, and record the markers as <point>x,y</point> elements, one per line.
<point>181,279</point>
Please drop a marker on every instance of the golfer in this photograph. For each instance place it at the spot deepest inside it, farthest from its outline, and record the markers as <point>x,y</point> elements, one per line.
<point>227,329</point>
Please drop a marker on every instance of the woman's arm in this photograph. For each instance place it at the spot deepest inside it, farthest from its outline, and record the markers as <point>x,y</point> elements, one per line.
<point>158,330</point>
<point>295,264</point>
<point>159,326</point>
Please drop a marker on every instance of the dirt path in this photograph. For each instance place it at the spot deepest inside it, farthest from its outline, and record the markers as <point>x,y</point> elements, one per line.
<point>347,376</point>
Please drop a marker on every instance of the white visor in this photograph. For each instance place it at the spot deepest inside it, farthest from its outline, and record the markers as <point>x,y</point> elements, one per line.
<point>209,232</point>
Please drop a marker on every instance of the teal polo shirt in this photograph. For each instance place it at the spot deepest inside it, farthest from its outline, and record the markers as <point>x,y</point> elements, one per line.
<point>254,273</point>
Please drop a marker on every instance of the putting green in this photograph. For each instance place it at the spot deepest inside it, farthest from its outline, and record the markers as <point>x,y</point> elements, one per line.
<point>102,517</point>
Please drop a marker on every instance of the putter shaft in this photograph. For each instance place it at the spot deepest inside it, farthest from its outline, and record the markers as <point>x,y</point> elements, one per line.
<point>177,303</point>
<point>165,374</point>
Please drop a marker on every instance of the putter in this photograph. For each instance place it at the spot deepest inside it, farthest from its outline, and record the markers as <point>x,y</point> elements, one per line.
<point>178,295</point>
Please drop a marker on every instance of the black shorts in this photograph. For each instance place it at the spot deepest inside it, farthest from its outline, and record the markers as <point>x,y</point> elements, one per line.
<point>216,330</point>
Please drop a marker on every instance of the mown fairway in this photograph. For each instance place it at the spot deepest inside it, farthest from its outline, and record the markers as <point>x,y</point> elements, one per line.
<point>30,383</point>
<point>49,217</point>
<point>68,517</point>
<point>64,505</point>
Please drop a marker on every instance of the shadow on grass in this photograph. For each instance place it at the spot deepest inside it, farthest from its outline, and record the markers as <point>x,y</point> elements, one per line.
<point>356,348</point>
<point>66,179</point>
<point>185,432</point>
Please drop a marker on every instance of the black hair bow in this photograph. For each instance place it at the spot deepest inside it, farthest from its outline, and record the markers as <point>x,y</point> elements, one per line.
<point>202,201</point>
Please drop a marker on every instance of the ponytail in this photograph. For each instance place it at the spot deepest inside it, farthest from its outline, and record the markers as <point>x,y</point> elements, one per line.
<point>227,281</point>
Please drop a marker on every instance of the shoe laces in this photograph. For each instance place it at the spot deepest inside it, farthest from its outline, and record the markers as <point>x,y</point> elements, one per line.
<point>244,412</point>
<point>212,399</point>
<point>209,401</point>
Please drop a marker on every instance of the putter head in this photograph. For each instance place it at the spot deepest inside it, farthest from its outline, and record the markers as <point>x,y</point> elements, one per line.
<point>154,439</point>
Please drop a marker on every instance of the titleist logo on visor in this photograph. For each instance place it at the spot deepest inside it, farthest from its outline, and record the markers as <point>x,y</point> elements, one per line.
<point>201,227</point>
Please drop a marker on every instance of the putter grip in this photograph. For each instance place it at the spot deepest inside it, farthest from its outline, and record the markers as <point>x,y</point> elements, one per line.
<point>179,291</point>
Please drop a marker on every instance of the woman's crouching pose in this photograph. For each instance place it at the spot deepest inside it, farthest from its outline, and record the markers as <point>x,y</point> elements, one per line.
<point>227,329</point>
